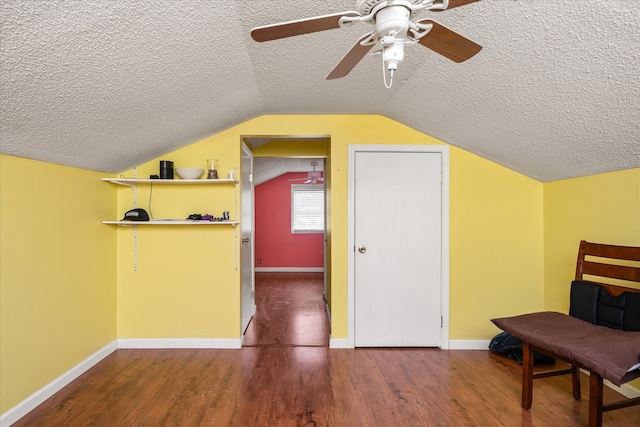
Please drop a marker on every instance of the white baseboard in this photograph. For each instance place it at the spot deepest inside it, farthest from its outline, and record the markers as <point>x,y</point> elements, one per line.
<point>339,343</point>
<point>289,269</point>
<point>150,343</point>
<point>625,389</point>
<point>453,344</point>
<point>31,402</point>
<point>469,344</point>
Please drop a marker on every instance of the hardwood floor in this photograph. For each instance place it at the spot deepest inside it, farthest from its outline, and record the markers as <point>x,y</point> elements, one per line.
<point>279,382</point>
<point>291,311</point>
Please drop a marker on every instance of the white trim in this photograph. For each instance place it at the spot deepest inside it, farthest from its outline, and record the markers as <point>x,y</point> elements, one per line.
<point>445,247</point>
<point>626,390</point>
<point>31,402</point>
<point>469,344</point>
<point>150,343</point>
<point>444,151</point>
<point>248,220</point>
<point>339,343</point>
<point>290,269</point>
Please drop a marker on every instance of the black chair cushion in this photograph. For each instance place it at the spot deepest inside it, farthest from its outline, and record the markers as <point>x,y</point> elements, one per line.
<point>591,303</point>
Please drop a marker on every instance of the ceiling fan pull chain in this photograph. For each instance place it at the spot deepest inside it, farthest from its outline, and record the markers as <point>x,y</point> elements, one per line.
<point>384,75</point>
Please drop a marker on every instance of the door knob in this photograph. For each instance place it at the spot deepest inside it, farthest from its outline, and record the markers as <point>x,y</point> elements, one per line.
<point>362,249</point>
<point>245,240</point>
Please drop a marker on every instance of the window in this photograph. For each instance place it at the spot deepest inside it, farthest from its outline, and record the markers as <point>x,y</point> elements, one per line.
<point>307,208</point>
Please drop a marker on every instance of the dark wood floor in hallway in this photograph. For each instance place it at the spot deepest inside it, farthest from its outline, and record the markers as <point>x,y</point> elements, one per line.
<point>291,311</point>
<point>286,378</point>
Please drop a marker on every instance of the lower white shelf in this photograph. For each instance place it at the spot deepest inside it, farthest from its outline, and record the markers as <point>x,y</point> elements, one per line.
<point>172,222</point>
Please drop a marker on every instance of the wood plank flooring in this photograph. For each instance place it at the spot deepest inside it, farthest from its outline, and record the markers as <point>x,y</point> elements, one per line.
<point>291,311</point>
<point>278,382</point>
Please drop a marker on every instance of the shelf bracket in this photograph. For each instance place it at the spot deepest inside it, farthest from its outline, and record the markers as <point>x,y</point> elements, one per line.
<point>135,248</point>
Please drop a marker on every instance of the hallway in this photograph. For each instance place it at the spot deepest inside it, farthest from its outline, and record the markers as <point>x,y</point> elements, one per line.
<point>290,311</point>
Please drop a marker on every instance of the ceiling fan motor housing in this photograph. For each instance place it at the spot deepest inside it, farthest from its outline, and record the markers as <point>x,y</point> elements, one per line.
<point>393,20</point>
<point>365,7</point>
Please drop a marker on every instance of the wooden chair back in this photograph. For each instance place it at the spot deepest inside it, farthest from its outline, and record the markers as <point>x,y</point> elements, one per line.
<point>625,266</point>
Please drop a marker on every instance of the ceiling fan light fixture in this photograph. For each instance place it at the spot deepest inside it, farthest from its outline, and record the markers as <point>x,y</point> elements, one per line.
<point>392,52</point>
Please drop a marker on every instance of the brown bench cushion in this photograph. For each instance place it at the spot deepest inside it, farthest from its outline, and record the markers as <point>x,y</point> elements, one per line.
<point>608,352</point>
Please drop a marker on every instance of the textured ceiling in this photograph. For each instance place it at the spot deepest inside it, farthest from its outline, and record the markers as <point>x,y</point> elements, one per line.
<point>106,85</point>
<point>267,168</point>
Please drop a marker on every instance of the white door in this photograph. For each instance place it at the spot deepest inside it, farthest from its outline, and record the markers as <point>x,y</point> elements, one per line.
<point>248,306</point>
<point>325,292</point>
<point>397,248</point>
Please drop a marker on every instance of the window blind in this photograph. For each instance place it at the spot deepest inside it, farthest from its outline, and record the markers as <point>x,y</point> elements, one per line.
<point>307,209</point>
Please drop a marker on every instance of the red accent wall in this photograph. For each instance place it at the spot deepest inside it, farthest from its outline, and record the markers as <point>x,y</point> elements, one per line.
<point>275,246</point>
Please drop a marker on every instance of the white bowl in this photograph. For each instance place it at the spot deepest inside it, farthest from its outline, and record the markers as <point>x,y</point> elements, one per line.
<point>189,173</point>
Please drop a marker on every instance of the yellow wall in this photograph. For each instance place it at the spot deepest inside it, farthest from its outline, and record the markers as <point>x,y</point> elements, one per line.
<point>496,245</point>
<point>293,148</point>
<point>61,268</point>
<point>57,273</point>
<point>181,291</point>
<point>186,284</point>
<point>601,208</point>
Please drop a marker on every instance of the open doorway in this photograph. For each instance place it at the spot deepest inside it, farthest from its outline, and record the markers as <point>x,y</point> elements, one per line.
<point>290,311</point>
<point>290,278</point>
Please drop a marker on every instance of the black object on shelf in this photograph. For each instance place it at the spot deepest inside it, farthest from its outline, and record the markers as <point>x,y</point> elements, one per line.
<point>166,169</point>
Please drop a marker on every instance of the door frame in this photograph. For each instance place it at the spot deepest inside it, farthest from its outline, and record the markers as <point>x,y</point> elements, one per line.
<point>443,150</point>
<point>247,211</point>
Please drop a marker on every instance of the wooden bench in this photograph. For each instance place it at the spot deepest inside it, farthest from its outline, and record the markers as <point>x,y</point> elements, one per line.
<point>601,334</point>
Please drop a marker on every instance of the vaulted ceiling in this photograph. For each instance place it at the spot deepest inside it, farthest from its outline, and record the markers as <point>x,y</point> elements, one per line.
<point>106,85</point>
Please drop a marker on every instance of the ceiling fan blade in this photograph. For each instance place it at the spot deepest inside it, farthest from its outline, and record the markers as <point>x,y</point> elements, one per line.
<point>448,43</point>
<point>351,59</point>
<point>298,27</point>
<point>455,3</point>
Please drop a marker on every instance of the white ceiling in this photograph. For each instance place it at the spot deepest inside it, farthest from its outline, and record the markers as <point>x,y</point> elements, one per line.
<point>267,168</point>
<point>107,85</point>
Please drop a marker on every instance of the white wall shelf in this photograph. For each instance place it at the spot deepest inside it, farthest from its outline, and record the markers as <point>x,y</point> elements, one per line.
<point>171,222</point>
<point>133,184</point>
<point>133,181</point>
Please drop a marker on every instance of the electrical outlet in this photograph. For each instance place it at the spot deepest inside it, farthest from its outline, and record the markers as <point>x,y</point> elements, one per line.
<point>259,260</point>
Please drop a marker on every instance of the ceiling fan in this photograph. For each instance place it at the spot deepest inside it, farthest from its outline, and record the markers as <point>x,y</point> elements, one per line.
<point>314,177</point>
<point>393,29</point>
